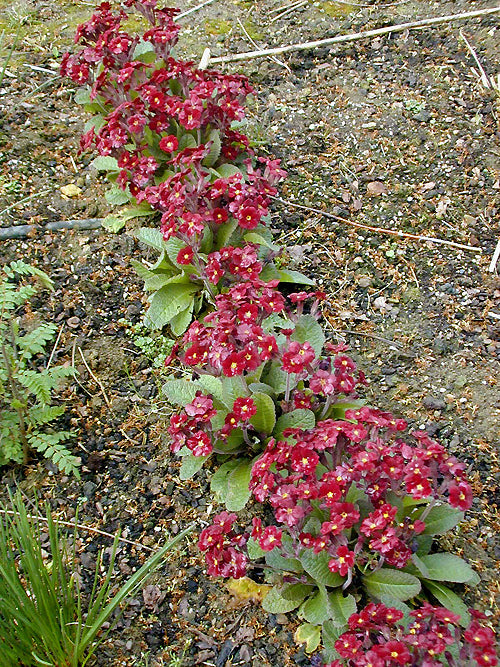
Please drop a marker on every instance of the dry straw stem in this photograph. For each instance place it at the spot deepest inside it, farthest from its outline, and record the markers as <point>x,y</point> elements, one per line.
<point>304,46</point>
<point>379,230</point>
<point>81,526</point>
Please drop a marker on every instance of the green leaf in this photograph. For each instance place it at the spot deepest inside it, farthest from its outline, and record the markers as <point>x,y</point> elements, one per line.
<point>395,583</point>
<point>316,565</point>
<point>296,591</point>
<point>420,566</point>
<point>190,465</point>
<point>253,237</point>
<point>265,417</point>
<point>316,609</point>
<point>219,481</point>
<point>225,232</point>
<point>82,96</point>
<point>261,387</point>
<point>211,385</point>
<point>330,634</point>
<point>116,196</point>
<point>151,237</point>
<point>276,378</point>
<point>341,607</point>
<point>168,302</point>
<point>227,170</point>
<point>449,600</point>
<point>179,323</point>
<point>299,418</point>
<point>441,519</point>
<point>308,330</point>
<point>254,550</point>
<point>113,223</point>
<point>275,603</point>
<point>105,163</point>
<point>233,388</point>
<point>215,148</point>
<point>288,276</point>
<point>238,482</point>
<point>180,392</point>
<point>278,562</point>
<point>447,567</point>
<point>308,634</point>
<point>142,48</point>
<point>338,410</point>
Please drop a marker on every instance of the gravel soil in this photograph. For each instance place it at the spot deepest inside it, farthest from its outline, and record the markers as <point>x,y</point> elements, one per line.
<point>395,132</point>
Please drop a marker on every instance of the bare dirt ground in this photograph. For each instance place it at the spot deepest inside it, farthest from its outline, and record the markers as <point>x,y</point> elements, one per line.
<point>394,132</point>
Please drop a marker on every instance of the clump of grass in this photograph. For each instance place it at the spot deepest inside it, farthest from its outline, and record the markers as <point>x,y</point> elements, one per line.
<point>44,619</point>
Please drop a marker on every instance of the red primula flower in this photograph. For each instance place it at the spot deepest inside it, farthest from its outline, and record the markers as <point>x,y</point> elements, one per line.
<point>169,144</point>
<point>343,561</point>
<point>185,255</point>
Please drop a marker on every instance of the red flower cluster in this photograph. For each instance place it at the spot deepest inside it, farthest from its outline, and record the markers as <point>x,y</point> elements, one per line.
<point>167,123</point>
<point>366,453</point>
<point>218,541</point>
<point>377,638</point>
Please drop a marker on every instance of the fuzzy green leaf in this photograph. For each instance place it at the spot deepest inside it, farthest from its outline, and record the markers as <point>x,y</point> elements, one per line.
<point>449,600</point>
<point>105,163</point>
<point>308,330</point>
<point>341,607</point>
<point>316,565</point>
<point>238,482</point>
<point>168,302</point>
<point>316,609</point>
<point>219,481</point>
<point>180,322</point>
<point>191,465</point>
<point>308,634</point>
<point>300,418</point>
<point>117,197</point>
<point>215,148</point>
<point>441,519</point>
<point>275,603</point>
<point>395,583</point>
<point>288,276</point>
<point>151,237</point>
<point>265,417</point>
<point>448,567</point>
<point>180,392</point>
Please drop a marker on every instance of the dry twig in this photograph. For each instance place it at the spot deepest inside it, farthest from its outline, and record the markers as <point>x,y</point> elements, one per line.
<point>401,27</point>
<point>71,524</point>
<point>96,379</point>
<point>379,230</point>
<point>254,43</point>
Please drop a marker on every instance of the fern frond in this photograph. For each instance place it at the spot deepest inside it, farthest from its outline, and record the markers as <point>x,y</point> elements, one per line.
<point>60,372</point>
<point>45,414</point>
<point>50,446</point>
<point>39,384</point>
<point>10,438</point>
<point>36,341</point>
<point>23,269</point>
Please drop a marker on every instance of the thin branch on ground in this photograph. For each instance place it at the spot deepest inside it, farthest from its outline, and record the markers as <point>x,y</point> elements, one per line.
<point>379,230</point>
<point>81,526</point>
<point>55,346</point>
<point>289,9</point>
<point>401,27</point>
<point>96,379</point>
<point>254,43</point>
<point>495,258</point>
<point>483,76</point>
<point>193,9</point>
<point>25,199</point>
